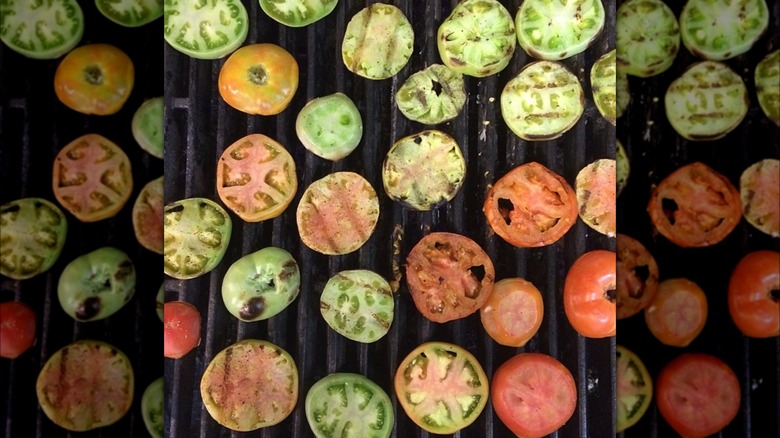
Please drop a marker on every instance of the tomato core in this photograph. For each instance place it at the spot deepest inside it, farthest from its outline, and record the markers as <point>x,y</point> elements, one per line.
<point>93,75</point>
<point>258,75</point>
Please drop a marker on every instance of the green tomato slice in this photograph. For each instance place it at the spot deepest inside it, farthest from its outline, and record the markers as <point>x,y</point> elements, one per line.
<point>543,101</point>
<point>205,29</point>
<point>423,171</point>
<point>622,91</point>
<point>347,405</point>
<point>623,167</point>
<point>196,235</point>
<point>558,29</point>
<point>767,79</point>
<point>147,126</point>
<point>298,13</point>
<point>722,29</point>
<point>131,13</point>
<point>152,408</point>
<point>634,388</point>
<point>41,29</point>
<point>260,285</point>
<point>378,42</point>
<point>432,96</point>
<point>603,83</point>
<point>330,126</point>
<point>160,301</point>
<point>97,284</point>
<point>478,38</point>
<point>707,102</point>
<point>32,234</point>
<point>358,305</point>
<point>648,37</point>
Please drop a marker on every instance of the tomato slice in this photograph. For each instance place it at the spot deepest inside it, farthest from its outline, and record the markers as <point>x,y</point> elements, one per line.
<point>634,388</point>
<point>589,294</point>
<point>677,313</point>
<point>205,30</point>
<point>147,126</point>
<point>17,328</point>
<point>722,29</point>
<point>603,83</point>
<point>595,188</point>
<point>181,324</point>
<point>531,206</point>
<point>533,394</point>
<point>256,178</point>
<point>148,216</point>
<point>432,96</point>
<point>42,30</point>
<point>160,301</point>
<point>754,294</point>
<point>697,394</point>
<point>330,126</point>
<point>349,406</point>
<point>648,37</point>
<point>449,276</point>
<point>86,385</point>
<point>695,206</point>
<point>441,387</point>
<point>513,313</point>
<point>767,80</point>
<point>558,30</point>
<point>623,166</point>
<point>152,408</point>
<point>33,233</point>
<point>759,191</point>
<point>358,305</point>
<point>92,178</point>
<point>230,387</point>
<point>131,13</point>
<point>298,13</point>
<point>637,276</point>
<point>378,42</point>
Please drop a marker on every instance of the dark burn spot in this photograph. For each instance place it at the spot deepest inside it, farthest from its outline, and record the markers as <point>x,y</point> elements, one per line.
<point>505,207</point>
<point>441,246</point>
<point>124,270</point>
<point>775,294</point>
<point>418,139</point>
<point>252,308</point>
<point>669,207</point>
<point>478,272</point>
<point>437,88</point>
<point>611,295</point>
<point>289,268</point>
<point>12,209</point>
<point>175,209</point>
<point>642,272</point>
<point>88,309</point>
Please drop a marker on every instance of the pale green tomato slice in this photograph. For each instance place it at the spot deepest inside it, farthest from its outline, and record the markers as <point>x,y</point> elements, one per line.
<point>423,171</point>
<point>152,408</point>
<point>378,42</point>
<point>131,13</point>
<point>603,83</point>
<point>767,78</point>
<point>478,38</point>
<point>722,29</point>
<point>205,29</point>
<point>706,102</point>
<point>41,29</point>
<point>330,126</point>
<point>196,235</point>
<point>432,96</point>
<point>347,405</point>
<point>262,284</point>
<point>298,13</point>
<point>358,305</point>
<point>558,29</point>
<point>147,126</point>
<point>32,234</point>
<point>160,301</point>
<point>97,284</point>
<point>622,90</point>
<point>543,101</point>
<point>623,167</point>
<point>634,388</point>
<point>648,37</point>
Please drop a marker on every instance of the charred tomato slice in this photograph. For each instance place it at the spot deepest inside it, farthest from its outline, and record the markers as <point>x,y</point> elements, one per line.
<point>637,276</point>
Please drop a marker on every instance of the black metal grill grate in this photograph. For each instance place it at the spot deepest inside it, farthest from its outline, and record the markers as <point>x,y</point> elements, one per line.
<point>199,126</point>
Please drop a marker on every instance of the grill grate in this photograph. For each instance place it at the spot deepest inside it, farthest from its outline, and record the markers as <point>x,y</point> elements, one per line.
<point>199,126</point>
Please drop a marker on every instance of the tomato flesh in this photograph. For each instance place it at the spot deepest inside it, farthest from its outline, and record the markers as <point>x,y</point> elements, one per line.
<point>17,328</point>
<point>754,294</point>
<point>634,388</point>
<point>181,323</point>
<point>677,313</point>
<point>513,313</point>
<point>589,294</point>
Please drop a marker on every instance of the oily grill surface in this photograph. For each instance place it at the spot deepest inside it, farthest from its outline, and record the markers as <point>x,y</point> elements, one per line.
<point>655,150</point>
<point>34,126</point>
<point>199,126</point>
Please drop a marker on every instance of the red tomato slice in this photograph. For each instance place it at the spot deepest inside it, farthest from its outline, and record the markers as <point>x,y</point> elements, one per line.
<point>637,276</point>
<point>17,329</point>
<point>698,395</point>
<point>513,313</point>
<point>754,294</point>
<point>533,394</point>
<point>181,322</point>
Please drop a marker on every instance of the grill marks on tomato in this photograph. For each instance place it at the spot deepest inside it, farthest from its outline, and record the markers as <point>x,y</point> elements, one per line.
<point>759,187</point>
<point>378,42</point>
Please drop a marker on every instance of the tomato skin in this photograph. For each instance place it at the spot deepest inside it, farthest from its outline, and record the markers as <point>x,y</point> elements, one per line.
<point>17,329</point>
<point>513,312</point>
<point>677,313</point>
<point>181,321</point>
<point>697,394</point>
<point>533,394</point>
<point>752,307</point>
<point>589,294</point>
<point>259,79</point>
<point>95,79</point>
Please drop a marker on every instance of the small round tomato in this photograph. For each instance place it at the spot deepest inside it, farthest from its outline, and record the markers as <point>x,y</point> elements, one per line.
<point>637,278</point>
<point>513,313</point>
<point>181,324</point>
<point>449,276</point>
<point>259,79</point>
<point>634,388</point>
<point>95,79</point>
<point>441,387</point>
<point>533,394</point>
<point>33,232</point>
<point>754,294</point>
<point>697,394</point>
<point>148,216</point>
<point>152,408</point>
<point>677,313</point>
<point>17,329</point>
<point>589,294</point>
<point>531,206</point>
<point>695,206</point>
<point>250,385</point>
